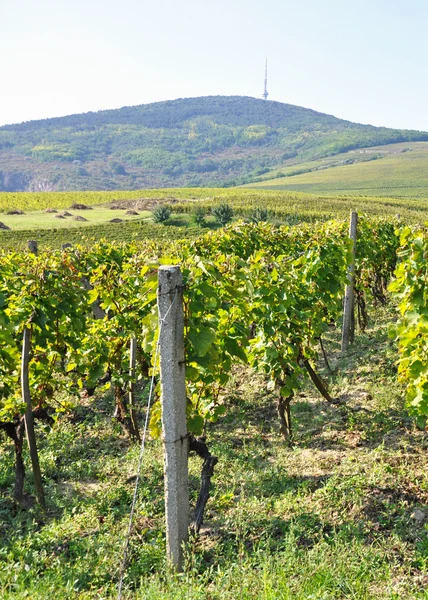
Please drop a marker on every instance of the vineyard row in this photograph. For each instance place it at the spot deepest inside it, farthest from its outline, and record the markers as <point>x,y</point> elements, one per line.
<point>255,294</point>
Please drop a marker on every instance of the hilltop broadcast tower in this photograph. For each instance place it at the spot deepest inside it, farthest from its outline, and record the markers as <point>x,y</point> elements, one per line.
<point>265,93</point>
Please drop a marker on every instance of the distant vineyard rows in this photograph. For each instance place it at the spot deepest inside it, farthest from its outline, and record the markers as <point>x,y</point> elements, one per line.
<point>279,203</point>
<point>90,235</point>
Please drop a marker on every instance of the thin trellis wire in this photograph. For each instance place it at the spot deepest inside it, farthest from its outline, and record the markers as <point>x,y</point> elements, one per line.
<point>140,459</point>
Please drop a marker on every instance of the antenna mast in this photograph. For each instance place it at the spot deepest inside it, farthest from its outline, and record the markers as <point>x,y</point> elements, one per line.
<point>265,93</point>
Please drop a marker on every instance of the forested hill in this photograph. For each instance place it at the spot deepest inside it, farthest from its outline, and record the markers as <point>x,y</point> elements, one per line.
<point>209,141</point>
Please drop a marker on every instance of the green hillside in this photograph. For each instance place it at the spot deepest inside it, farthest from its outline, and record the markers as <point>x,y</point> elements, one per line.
<point>210,141</point>
<point>396,170</point>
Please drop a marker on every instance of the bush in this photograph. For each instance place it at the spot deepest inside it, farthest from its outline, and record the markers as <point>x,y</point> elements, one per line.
<point>119,169</point>
<point>161,214</point>
<point>223,213</point>
<point>198,215</point>
<point>259,214</point>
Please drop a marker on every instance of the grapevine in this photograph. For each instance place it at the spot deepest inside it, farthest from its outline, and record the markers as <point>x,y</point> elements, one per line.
<point>254,293</point>
<point>410,287</point>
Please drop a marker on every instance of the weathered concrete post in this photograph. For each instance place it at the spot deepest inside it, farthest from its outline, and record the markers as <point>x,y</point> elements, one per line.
<point>174,426</point>
<point>98,312</point>
<point>32,246</point>
<point>349,303</point>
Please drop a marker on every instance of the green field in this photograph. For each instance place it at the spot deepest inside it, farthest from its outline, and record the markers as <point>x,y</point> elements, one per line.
<point>99,215</point>
<point>287,207</point>
<point>280,203</point>
<point>396,170</point>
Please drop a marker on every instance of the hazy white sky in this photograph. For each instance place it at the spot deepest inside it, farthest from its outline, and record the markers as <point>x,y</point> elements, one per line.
<point>362,60</point>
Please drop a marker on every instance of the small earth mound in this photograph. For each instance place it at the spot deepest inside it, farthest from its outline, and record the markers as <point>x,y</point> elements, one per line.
<point>50,210</point>
<point>3,226</point>
<point>79,218</point>
<point>59,217</point>
<point>141,203</point>
<point>131,212</point>
<point>65,213</point>
<point>77,206</point>
<point>15,211</point>
<point>116,220</point>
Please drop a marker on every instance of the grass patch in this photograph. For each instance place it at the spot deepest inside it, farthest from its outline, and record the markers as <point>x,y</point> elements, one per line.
<point>98,215</point>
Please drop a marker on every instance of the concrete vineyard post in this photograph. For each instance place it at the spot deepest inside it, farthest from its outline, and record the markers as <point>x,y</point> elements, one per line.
<point>348,327</point>
<point>97,311</point>
<point>33,246</point>
<point>174,426</point>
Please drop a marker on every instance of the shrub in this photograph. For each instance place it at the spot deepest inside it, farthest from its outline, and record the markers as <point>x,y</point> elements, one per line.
<point>259,214</point>
<point>223,213</point>
<point>161,214</point>
<point>119,169</point>
<point>198,215</point>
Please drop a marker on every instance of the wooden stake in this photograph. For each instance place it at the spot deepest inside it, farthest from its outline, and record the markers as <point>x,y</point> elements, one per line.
<point>131,386</point>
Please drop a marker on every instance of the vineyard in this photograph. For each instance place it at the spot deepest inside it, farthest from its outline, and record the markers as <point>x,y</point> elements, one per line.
<point>259,300</point>
<point>397,170</point>
<point>281,208</point>
<point>279,203</point>
<point>138,231</point>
